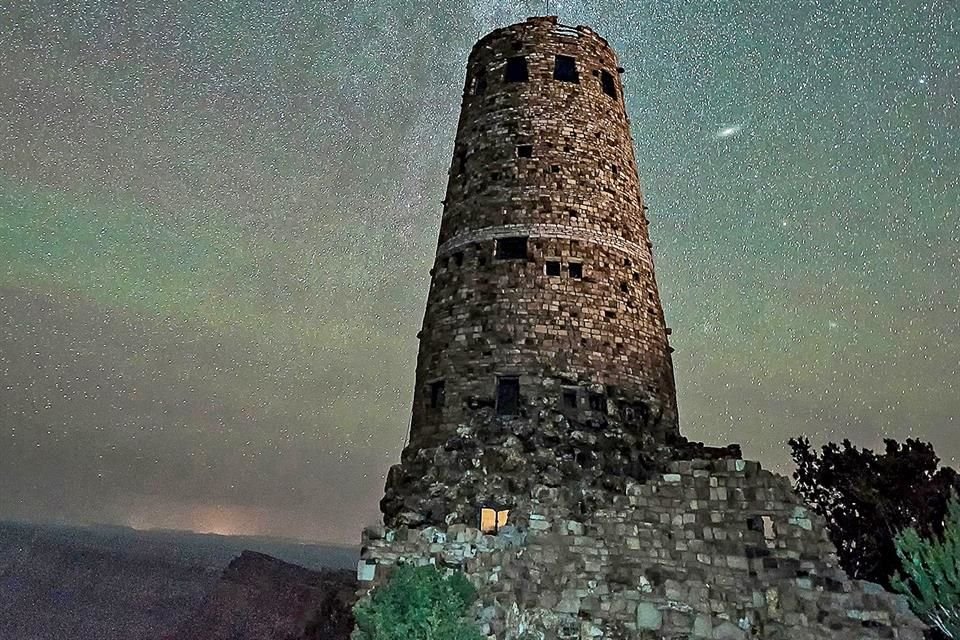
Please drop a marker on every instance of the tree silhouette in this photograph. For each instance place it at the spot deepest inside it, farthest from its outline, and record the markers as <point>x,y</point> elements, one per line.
<point>869,498</point>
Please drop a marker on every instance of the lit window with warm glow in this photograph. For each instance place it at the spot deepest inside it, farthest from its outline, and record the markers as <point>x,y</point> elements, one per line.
<point>492,520</point>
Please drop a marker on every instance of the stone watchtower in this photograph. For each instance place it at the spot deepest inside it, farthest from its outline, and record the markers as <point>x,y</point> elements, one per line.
<point>543,289</point>
<point>544,457</point>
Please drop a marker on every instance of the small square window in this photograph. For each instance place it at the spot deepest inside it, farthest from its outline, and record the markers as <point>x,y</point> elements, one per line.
<point>492,520</point>
<point>608,84</point>
<point>610,314</point>
<point>511,249</point>
<point>524,150</point>
<point>516,70</point>
<point>565,69</point>
<point>552,268</point>
<point>576,270</point>
<point>438,394</point>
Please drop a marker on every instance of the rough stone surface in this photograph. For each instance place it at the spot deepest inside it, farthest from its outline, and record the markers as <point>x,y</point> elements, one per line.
<point>577,199</point>
<point>696,550</point>
<point>262,598</point>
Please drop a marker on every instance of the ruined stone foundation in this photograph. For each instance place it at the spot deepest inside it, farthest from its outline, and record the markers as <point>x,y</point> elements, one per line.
<point>709,549</point>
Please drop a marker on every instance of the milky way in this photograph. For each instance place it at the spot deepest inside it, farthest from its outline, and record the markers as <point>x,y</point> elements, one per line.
<point>217,221</point>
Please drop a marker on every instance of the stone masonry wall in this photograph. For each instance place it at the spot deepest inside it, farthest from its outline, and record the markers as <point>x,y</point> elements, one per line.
<point>551,161</point>
<point>710,549</point>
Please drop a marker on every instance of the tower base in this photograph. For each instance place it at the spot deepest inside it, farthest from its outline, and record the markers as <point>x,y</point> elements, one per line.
<point>700,548</point>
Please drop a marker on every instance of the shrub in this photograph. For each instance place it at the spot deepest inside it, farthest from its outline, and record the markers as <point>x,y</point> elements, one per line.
<point>418,603</point>
<point>932,567</point>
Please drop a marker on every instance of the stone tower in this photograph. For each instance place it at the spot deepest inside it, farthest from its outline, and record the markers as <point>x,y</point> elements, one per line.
<point>544,459</point>
<point>543,287</point>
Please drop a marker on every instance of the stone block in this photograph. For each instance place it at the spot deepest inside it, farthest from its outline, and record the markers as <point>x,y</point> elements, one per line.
<point>649,616</point>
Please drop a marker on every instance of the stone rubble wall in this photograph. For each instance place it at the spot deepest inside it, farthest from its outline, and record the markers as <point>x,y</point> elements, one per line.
<point>713,549</point>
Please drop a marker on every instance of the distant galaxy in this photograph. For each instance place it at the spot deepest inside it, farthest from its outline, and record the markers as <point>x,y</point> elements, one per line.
<point>726,132</point>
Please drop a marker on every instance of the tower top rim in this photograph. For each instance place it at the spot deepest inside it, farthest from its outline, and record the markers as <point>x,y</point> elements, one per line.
<point>540,24</point>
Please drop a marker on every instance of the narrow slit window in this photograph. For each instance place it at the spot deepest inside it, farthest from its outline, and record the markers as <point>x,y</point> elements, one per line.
<point>438,394</point>
<point>511,249</point>
<point>598,402</point>
<point>516,70</point>
<point>480,83</point>
<point>609,86</point>
<point>524,150</point>
<point>508,395</point>
<point>552,268</point>
<point>576,270</point>
<point>565,69</point>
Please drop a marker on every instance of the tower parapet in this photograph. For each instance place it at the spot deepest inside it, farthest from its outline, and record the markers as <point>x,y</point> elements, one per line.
<point>543,291</point>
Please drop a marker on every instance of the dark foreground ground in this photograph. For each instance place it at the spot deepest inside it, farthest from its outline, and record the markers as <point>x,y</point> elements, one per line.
<point>96,583</point>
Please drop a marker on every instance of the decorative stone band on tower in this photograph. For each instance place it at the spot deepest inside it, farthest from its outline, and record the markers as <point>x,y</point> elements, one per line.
<point>543,287</point>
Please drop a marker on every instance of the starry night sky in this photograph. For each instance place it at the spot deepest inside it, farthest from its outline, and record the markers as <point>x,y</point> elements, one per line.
<point>217,221</point>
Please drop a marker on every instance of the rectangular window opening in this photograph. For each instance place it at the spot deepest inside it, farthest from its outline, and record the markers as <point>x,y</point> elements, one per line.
<point>598,402</point>
<point>609,86</point>
<point>565,69</point>
<point>438,394</point>
<point>569,398</point>
<point>524,150</point>
<point>516,70</point>
<point>493,520</point>
<point>576,270</point>
<point>511,248</point>
<point>552,268</point>
<point>610,314</point>
<point>508,395</point>
<point>458,258</point>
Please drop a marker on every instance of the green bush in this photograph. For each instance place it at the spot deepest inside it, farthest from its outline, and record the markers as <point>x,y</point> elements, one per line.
<point>932,568</point>
<point>418,603</point>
